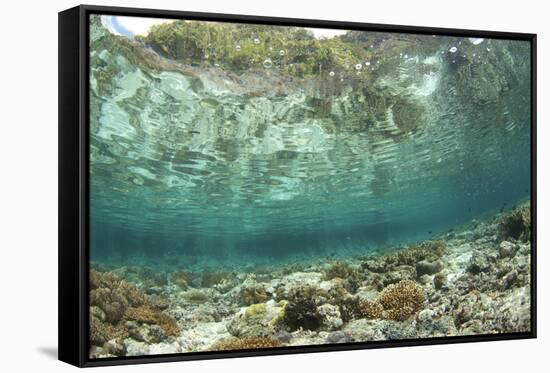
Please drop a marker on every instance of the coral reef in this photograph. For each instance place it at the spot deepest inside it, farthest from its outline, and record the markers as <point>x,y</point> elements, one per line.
<point>347,273</point>
<point>118,310</point>
<point>195,296</point>
<point>258,320</point>
<point>147,315</point>
<point>182,279</point>
<point>465,283</point>
<point>250,343</point>
<point>113,295</point>
<point>211,279</point>
<point>516,224</point>
<point>352,308</point>
<point>339,269</point>
<point>402,300</point>
<point>251,294</point>
<point>302,309</point>
<point>101,332</point>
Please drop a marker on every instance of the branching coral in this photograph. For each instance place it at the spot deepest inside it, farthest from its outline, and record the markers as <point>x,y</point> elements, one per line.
<point>516,224</point>
<point>113,301</point>
<point>370,310</point>
<point>251,343</point>
<point>113,295</point>
<point>352,308</point>
<point>428,250</point>
<point>101,332</point>
<point>401,300</point>
<point>147,315</point>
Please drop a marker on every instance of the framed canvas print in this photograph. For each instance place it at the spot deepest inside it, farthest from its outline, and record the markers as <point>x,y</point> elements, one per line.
<point>240,185</point>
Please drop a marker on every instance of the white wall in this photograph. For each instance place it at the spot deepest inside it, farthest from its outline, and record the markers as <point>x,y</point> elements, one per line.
<point>28,188</point>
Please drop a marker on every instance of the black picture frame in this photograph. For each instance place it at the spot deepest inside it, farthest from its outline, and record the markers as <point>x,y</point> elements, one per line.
<point>74,187</point>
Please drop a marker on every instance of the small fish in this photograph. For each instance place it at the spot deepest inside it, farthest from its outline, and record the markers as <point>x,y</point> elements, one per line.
<point>194,132</point>
<point>451,230</point>
<point>430,232</point>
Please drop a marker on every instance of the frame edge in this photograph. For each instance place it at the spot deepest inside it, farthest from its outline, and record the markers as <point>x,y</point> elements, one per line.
<point>70,349</point>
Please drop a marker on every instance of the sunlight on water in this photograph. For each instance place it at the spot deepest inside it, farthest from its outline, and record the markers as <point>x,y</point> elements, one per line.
<point>199,158</point>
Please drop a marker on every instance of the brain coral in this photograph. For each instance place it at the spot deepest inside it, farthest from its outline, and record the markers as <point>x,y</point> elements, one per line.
<point>401,300</point>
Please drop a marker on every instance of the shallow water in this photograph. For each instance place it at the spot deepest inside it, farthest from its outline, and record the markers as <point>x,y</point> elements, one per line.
<point>203,166</point>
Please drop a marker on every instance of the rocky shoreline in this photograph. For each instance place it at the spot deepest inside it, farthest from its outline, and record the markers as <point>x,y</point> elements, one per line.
<point>472,282</point>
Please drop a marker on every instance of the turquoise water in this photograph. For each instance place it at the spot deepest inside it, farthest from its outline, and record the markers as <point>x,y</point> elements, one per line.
<point>198,163</point>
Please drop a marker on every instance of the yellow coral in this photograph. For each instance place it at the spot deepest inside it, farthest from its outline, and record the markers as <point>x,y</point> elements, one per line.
<point>255,309</point>
<point>278,319</point>
<point>251,343</point>
<point>401,300</point>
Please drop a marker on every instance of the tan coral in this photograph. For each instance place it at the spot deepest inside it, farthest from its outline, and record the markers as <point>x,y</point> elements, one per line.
<point>101,332</point>
<point>113,295</point>
<point>251,343</point>
<point>370,309</point>
<point>401,300</point>
<point>148,315</point>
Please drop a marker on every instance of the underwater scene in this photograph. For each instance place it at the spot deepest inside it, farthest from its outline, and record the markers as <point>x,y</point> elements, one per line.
<point>258,186</point>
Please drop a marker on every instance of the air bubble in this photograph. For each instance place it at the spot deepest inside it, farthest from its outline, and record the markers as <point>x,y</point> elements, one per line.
<point>331,73</point>
<point>237,47</point>
<point>358,66</point>
<point>453,49</point>
<point>267,63</point>
<point>367,63</point>
<point>281,52</point>
<point>256,41</point>
<point>476,41</point>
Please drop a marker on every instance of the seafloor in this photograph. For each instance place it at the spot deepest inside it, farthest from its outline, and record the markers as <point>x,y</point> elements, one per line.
<point>468,282</point>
